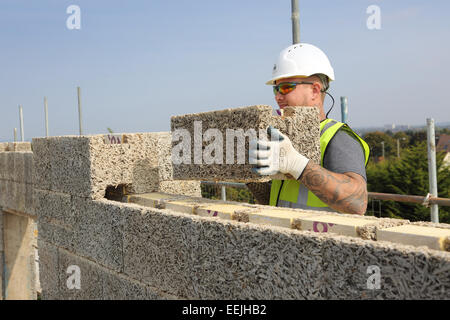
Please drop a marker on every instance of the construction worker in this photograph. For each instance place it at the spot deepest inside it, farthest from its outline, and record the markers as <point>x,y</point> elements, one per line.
<point>301,77</point>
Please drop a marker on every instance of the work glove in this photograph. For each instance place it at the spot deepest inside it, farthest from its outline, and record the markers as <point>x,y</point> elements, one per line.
<point>277,155</point>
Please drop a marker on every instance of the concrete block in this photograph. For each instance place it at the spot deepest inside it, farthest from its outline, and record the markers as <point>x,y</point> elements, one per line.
<point>41,163</point>
<point>352,265</point>
<point>81,165</point>
<point>206,258</point>
<point>3,191</point>
<point>3,165</point>
<point>140,162</point>
<point>301,124</point>
<point>221,210</point>
<point>277,217</point>
<point>19,167</point>
<point>369,231</point>
<point>8,198</point>
<point>60,236</point>
<point>3,146</point>
<point>334,224</point>
<point>98,232</point>
<point>49,271</point>
<point>28,174</point>
<point>19,197</point>
<point>183,206</point>
<point>154,200</point>
<point>14,196</point>
<point>414,235</point>
<point>119,287</point>
<point>186,188</point>
<point>55,207</point>
<point>9,175</point>
<point>19,146</point>
<point>70,165</point>
<point>29,202</point>
<point>91,278</point>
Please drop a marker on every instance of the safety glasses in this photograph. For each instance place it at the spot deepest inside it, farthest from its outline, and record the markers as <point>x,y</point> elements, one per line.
<point>286,87</point>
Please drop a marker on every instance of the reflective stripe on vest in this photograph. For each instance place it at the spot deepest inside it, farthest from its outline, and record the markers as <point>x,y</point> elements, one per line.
<point>290,189</point>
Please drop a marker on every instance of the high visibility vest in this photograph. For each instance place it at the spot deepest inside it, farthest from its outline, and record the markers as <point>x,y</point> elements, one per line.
<point>289,190</point>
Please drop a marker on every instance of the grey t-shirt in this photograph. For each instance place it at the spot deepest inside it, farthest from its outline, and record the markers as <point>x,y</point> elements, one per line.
<point>345,154</point>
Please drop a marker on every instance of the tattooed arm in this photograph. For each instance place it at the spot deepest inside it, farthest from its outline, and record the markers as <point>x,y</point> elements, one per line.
<point>344,192</point>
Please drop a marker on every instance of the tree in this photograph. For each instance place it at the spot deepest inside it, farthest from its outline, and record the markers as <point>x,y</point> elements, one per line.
<point>374,140</point>
<point>409,176</point>
<point>416,137</point>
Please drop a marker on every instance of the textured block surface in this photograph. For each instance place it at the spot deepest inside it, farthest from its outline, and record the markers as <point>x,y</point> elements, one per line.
<point>351,266</point>
<point>54,206</point>
<point>98,232</point>
<point>48,270</point>
<point>84,166</point>
<point>209,259</point>
<point>91,278</point>
<point>230,161</point>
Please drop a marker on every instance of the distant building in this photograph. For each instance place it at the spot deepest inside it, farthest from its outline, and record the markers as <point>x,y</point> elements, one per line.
<point>444,145</point>
<point>396,128</point>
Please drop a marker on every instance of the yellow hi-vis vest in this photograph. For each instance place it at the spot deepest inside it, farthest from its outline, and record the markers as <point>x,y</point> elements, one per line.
<point>290,189</point>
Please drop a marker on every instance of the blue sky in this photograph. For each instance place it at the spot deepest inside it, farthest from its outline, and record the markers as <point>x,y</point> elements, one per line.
<point>140,62</point>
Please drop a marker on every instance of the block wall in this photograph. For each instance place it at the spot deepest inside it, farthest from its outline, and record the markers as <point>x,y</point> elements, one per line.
<point>165,242</point>
<point>18,236</point>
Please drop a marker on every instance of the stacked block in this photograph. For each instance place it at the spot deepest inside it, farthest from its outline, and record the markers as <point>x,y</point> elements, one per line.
<point>16,179</point>
<point>364,227</point>
<point>434,238</point>
<point>84,166</point>
<point>230,159</point>
<point>167,254</point>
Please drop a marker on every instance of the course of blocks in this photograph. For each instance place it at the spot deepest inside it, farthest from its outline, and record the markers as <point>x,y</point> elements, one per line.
<point>364,227</point>
<point>231,159</point>
<point>163,241</point>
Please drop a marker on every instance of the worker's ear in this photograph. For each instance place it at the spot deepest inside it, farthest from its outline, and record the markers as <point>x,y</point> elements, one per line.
<point>316,87</point>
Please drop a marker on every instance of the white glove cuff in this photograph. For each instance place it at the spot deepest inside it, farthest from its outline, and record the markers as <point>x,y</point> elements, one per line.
<point>298,165</point>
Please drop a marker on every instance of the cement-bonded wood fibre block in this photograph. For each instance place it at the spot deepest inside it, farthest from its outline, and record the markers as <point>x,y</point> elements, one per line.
<point>214,145</point>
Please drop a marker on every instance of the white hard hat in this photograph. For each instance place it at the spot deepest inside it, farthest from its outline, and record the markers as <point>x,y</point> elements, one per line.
<point>301,59</point>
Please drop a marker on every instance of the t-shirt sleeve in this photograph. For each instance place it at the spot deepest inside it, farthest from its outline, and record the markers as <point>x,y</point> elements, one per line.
<point>345,154</point>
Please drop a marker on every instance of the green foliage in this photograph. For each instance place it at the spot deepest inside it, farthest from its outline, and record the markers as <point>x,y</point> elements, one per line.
<point>409,176</point>
<point>374,140</point>
<point>233,194</point>
<point>416,137</point>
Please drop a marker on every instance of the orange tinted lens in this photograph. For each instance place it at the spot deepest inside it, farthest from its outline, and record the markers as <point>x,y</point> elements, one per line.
<point>286,88</point>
